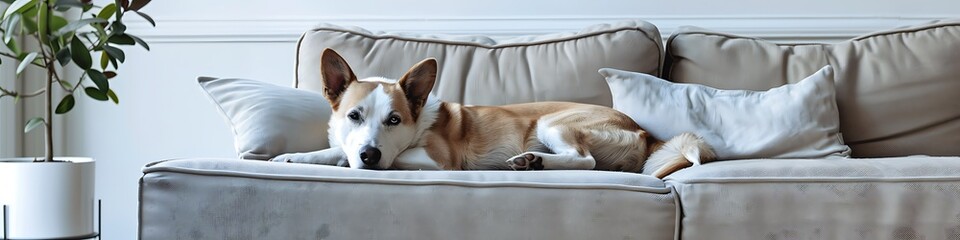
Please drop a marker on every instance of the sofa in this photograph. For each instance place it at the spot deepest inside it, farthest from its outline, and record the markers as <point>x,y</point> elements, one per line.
<point>896,95</point>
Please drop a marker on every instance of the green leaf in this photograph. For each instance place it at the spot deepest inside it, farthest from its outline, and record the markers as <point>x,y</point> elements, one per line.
<point>65,84</point>
<point>57,22</point>
<point>87,6</point>
<point>42,24</point>
<point>80,53</point>
<point>114,62</point>
<point>147,17</point>
<point>69,3</point>
<point>12,45</point>
<point>104,59</point>
<point>136,5</point>
<point>113,96</point>
<point>101,35</point>
<point>28,23</point>
<point>110,74</point>
<point>29,19</point>
<point>118,27</point>
<point>66,104</point>
<point>11,25</point>
<point>30,11</point>
<point>63,56</point>
<point>73,26</point>
<point>122,39</point>
<point>25,61</point>
<point>99,79</point>
<point>18,6</point>
<point>115,52</point>
<point>54,44</point>
<point>107,11</point>
<point>33,123</point>
<point>95,93</point>
<point>140,42</point>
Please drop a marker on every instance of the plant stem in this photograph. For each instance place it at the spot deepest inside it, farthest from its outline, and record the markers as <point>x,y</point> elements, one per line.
<point>56,78</point>
<point>15,57</point>
<point>49,123</point>
<point>79,82</point>
<point>51,70</point>
<point>4,92</point>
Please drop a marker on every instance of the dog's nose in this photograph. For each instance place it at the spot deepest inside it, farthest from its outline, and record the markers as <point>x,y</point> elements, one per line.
<point>370,155</point>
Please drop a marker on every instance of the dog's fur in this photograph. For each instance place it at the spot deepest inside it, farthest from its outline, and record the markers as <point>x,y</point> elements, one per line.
<point>411,129</point>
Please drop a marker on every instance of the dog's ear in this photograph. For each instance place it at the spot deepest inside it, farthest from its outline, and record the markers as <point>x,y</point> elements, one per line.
<point>336,74</point>
<point>417,83</point>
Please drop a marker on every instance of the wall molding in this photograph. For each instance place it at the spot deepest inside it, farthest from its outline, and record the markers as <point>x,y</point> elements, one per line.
<point>776,28</point>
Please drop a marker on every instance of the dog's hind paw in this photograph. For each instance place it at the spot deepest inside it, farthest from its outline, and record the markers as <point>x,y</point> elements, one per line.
<point>526,161</point>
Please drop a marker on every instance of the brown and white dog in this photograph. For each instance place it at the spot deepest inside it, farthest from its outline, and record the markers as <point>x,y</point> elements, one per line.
<point>379,123</point>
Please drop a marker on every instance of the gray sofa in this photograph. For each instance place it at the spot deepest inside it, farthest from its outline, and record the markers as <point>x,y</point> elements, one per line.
<point>898,94</point>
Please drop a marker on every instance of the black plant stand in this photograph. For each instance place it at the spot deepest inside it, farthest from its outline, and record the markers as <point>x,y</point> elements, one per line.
<point>94,235</point>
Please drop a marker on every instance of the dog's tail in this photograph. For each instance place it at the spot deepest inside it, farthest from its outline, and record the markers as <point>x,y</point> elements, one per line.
<point>679,152</point>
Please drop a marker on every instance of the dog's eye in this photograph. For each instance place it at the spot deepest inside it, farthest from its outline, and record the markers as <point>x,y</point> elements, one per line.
<point>355,116</point>
<point>393,120</point>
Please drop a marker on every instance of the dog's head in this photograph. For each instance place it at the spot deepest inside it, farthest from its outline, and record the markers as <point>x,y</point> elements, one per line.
<point>374,119</point>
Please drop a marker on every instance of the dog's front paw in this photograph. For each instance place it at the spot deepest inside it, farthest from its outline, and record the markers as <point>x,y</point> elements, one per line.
<point>526,161</point>
<point>289,158</point>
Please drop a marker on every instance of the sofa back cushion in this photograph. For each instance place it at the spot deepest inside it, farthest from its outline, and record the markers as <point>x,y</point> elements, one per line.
<point>482,71</point>
<point>897,90</point>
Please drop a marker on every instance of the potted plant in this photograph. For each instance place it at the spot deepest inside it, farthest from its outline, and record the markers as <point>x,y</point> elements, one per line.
<point>52,196</point>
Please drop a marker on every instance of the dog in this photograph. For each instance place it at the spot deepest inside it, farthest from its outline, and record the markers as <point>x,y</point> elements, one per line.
<point>380,123</point>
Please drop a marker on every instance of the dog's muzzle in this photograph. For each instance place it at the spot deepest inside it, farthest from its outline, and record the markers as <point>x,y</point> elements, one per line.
<point>370,156</point>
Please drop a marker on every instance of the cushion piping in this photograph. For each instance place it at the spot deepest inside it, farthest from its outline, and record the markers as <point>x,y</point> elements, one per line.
<point>905,30</point>
<point>233,127</point>
<point>362,180</point>
<point>814,179</point>
<point>496,46</point>
<point>296,62</point>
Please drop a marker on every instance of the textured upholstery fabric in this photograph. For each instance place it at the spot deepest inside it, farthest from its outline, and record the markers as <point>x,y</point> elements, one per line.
<point>791,121</point>
<point>268,120</point>
<point>891,83</point>
<point>885,198</point>
<point>896,90</point>
<point>478,70</point>
<point>231,199</point>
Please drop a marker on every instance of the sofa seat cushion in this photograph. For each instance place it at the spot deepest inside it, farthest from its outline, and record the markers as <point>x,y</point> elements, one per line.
<point>229,199</point>
<point>915,197</point>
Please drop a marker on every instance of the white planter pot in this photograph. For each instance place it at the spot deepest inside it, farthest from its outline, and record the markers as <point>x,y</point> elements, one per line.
<point>47,199</point>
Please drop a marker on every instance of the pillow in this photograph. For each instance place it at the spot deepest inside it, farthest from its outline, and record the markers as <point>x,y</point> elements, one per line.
<point>480,70</point>
<point>896,89</point>
<point>791,121</point>
<point>267,119</point>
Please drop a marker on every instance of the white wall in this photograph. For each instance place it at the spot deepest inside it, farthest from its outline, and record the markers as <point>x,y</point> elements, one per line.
<point>163,114</point>
<point>9,118</point>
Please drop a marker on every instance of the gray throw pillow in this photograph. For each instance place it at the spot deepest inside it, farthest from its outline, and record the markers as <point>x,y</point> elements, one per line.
<point>268,119</point>
<point>791,121</point>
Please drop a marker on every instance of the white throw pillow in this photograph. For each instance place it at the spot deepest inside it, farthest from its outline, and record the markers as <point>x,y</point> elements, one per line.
<point>268,119</point>
<point>791,121</point>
